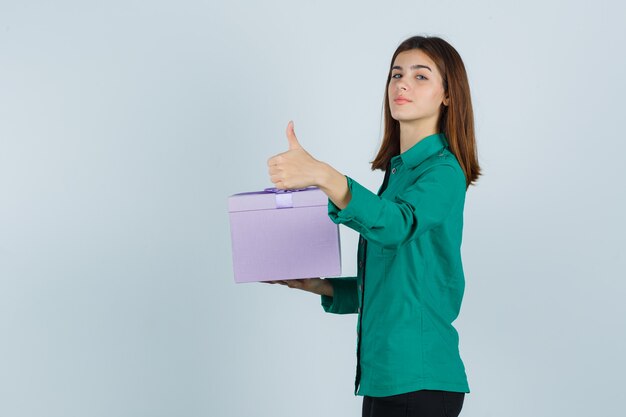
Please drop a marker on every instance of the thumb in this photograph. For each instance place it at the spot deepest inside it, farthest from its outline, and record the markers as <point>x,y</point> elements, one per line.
<point>291,137</point>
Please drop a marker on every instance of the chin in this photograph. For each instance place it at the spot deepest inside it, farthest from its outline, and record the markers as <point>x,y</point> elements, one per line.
<point>404,118</point>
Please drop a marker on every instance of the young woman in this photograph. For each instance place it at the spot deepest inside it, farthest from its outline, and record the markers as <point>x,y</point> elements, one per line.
<point>410,282</point>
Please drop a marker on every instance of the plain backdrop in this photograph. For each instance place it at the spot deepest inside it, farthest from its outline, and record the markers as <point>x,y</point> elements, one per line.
<point>125,125</point>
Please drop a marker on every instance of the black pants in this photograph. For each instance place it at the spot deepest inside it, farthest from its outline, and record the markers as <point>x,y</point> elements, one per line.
<point>422,403</point>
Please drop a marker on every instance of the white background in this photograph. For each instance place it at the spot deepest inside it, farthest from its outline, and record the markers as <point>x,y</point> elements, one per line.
<point>125,125</point>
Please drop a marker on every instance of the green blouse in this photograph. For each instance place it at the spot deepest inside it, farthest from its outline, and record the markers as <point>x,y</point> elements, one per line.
<point>410,281</point>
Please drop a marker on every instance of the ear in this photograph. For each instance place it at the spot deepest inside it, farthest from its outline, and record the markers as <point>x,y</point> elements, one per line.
<point>446,101</point>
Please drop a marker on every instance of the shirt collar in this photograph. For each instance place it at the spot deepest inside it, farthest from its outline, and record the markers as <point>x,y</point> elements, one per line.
<point>419,152</point>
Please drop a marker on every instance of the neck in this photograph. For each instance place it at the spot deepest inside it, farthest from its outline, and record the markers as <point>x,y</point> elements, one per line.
<point>412,133</point>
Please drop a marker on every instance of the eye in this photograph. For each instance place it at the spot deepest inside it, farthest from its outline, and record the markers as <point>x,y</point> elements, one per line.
<point>423,78</point>
<point>395,75</point>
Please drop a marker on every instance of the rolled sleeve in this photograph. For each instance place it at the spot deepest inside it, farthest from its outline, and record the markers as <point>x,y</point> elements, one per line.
<point>345,299</point>
<point>420,207</point>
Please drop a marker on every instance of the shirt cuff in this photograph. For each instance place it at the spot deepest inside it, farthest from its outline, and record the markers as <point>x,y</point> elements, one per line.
<point>345,298</point>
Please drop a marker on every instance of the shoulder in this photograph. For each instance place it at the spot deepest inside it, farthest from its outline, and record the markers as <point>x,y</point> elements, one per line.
<point>442,167</point>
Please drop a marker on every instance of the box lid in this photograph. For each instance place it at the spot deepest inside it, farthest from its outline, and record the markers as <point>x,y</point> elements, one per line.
<point>273,198</point>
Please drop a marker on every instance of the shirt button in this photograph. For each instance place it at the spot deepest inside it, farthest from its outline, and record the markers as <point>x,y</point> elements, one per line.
<point>360,264</point>
<point>358,310</point>
<point>360,287</point>
<point>393,171</point>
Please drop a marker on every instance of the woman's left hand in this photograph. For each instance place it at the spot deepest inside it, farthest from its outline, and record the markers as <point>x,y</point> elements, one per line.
<point>295,168</point>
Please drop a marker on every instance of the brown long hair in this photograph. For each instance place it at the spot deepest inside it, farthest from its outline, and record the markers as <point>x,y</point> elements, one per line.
<point>456,120</point>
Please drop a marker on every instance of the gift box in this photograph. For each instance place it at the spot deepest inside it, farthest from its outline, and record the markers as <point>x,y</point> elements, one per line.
<point>283,234</point>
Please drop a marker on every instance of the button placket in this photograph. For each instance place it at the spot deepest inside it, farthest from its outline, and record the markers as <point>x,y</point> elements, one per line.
<point>361,285</point>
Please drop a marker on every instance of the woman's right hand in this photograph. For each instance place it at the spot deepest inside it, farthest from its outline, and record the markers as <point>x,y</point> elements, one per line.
<point>317,286</point>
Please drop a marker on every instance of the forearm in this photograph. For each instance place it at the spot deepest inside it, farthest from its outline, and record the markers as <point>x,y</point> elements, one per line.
<point>326,288</point>
<point>335,185</point>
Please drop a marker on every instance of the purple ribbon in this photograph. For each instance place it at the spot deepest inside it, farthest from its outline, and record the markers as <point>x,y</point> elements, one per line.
<point>283,197</point>
<point>279,190</point>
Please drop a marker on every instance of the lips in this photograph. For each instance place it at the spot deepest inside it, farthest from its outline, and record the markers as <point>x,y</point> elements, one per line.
<point>401,100</point>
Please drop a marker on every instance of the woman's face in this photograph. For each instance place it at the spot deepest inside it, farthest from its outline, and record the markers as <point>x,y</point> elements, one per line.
<point>416,88</point>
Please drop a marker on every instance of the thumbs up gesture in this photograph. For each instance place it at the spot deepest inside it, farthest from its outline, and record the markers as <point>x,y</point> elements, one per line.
<point>295,168</point>
<point>291,137</point>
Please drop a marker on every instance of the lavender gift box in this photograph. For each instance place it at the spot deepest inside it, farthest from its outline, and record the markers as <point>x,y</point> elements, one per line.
<point>283,234</point>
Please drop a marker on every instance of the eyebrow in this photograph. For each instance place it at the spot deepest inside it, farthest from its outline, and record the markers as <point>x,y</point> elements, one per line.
<point>398,67</point>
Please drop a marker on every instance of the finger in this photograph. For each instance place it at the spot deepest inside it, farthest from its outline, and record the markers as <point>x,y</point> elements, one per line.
<point>275,160</point>
<point>275,179</point>
<point>273,170</point>
<point>291,137</point>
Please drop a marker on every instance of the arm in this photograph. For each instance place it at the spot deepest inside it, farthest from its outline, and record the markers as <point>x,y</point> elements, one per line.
<point>339,295</point>
<point>420,207</point>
